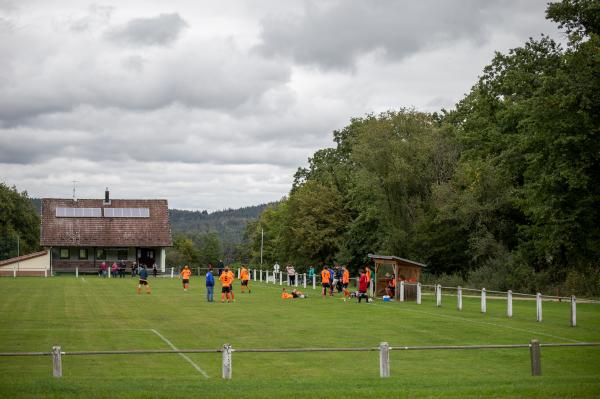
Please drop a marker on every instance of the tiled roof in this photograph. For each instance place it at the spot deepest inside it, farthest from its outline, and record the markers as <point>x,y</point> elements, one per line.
<point>154,231</point>
<point>22,258</point>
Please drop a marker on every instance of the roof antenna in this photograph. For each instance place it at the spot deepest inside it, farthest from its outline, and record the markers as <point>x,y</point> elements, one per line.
<point>74,196</point>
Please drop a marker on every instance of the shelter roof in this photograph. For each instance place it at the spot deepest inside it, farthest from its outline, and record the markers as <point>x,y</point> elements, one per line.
<point>389,257</point>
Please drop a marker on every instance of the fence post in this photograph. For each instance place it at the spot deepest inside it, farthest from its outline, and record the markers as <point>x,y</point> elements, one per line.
<point>573,311</point>
<point>288,279</point>
<point>384,360</point>
<point>172,270</point>
<point>261,275</point>
<point>198,271</point>
<point>267,276</point>
<point>418,293</point>
<point>538,307</point>
<point>401,291</point>
<point>536,361</point>
<point>56,362</point>
<point>314,281</point>
<point>509,303</point>
<point>483,301</point>
<point>77,272</point>
<point>45,272</point>
<point>304,280</point>
<point>459,297</point>
<point>227,367</point>
<point>280,278</point>
<point>438,295</point>
<point>14,271</point>
<point>371,294</point>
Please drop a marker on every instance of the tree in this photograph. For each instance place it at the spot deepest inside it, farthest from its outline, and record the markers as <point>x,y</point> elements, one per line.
<point>18,221</point>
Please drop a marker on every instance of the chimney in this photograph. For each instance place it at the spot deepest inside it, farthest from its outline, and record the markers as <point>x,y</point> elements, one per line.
<point>106,197</point>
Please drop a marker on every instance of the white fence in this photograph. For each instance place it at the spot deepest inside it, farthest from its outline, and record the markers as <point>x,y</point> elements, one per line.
<point>227,350</point>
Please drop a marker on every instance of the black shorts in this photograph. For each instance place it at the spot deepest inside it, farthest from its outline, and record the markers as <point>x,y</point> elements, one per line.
<point>225,290</point>
<point>143,282</point>
<point>245,282</point>
<point>186,281</point>
<point>325,285</point>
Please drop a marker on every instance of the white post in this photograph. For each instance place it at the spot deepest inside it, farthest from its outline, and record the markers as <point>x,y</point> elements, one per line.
<point>45,272</point>
<point>56,362</point>
<point>227,367</point>
<point>509,311</point>
<point>314,281</point>
<point>280,278</point>
<point>438,295</point>
<point>172,272</point>
<point>77,272</point>
<point>538,307</point>
<point>459,297</point>
<point>109,271</point>
<point>371,294</point>
<point>304,280</point>
<point>401,291</point>
<point>573,311</point>
<point>14,271</point>
<point>255,275</point>
<point>296,279</point>
<point>418,293</point>
<point>261,275</point>
<point>288,279</point>
<point>483,301</point>
<point>384,360</point>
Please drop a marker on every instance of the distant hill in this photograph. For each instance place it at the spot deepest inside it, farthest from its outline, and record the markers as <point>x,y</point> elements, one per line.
<point>229,224</point>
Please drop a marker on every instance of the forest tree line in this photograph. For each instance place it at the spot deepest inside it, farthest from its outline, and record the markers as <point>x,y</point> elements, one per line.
<point>501,191</point>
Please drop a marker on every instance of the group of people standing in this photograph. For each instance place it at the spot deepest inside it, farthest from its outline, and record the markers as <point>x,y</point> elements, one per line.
<point>119,269</point>
<point>226,277</point>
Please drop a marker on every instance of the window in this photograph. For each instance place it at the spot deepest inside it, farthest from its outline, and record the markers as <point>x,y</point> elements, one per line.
<point>122,254</point>
<point>83,253</point>
<point>126,212</point>
<point>64,253</point>
<point>78,212</point>
<point>101,254</point>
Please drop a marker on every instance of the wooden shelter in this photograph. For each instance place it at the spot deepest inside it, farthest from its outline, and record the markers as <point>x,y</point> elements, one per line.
<point>400,269</point>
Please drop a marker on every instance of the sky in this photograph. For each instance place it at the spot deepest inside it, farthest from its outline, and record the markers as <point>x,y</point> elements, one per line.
<point>215,104</point>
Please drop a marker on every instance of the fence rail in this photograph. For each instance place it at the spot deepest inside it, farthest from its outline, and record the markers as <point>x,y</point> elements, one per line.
<point>227,350</point>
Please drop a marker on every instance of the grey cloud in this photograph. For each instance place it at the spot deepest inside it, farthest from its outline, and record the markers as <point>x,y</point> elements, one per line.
<point>334,35</point>
<point>161,30</point>
<point>98,16</point>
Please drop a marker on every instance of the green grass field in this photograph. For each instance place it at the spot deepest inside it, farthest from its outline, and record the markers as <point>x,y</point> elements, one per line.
<point>95,314</point>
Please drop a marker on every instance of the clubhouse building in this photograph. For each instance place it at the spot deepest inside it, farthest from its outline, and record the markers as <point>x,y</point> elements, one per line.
<point>83,233</point>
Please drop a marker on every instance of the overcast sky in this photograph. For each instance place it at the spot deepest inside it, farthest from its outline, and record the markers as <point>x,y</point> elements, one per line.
<point>214,105</point>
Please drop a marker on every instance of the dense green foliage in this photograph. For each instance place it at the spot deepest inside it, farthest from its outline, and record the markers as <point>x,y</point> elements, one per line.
<point>101,314</point>
<point>504,189</point>
<point>19,223</point>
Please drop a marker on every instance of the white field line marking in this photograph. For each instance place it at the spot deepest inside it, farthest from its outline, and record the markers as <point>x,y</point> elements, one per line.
<point>83,279</point>
<point>183,355</point>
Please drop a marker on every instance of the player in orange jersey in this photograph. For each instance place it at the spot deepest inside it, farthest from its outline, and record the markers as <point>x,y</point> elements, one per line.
<point>226,281</point>
<point>231,277</point>
<point>245,277</point>
<point>185,277</point>
<point>325,280</point>
<point>345,282</point>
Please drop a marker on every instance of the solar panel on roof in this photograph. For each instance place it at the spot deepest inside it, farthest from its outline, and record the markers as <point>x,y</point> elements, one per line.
<point>126,212</point>
<point>63,212</point>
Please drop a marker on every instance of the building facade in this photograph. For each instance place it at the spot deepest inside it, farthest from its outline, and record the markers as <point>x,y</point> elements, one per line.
<point>83,233</point>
